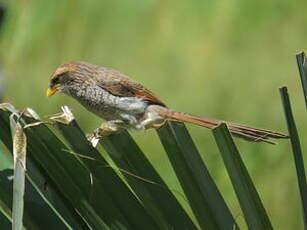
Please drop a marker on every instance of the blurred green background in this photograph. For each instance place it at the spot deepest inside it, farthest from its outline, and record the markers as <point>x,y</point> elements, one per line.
<point>223,59</point>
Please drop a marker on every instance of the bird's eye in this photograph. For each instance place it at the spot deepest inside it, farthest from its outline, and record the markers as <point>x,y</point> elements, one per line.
<point>57,79</point>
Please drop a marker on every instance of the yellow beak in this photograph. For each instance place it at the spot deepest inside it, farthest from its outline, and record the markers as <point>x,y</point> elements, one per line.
<point>51,91</point>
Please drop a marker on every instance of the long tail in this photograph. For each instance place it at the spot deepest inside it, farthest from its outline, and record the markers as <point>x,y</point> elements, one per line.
<point>242,131</point>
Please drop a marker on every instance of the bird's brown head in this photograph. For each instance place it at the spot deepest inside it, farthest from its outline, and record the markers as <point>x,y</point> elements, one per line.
<point>66,75</point>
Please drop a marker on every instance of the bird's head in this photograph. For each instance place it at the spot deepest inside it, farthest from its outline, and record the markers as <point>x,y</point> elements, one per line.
<point>67,74</point>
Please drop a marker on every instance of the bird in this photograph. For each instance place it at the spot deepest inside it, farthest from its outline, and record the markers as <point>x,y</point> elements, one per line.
<point>125,104</point>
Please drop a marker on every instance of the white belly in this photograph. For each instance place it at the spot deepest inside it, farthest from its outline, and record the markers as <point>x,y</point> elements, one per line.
<point>109,106</point>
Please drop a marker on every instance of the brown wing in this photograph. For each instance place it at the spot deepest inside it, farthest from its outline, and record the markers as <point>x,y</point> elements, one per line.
<point>121,85</point>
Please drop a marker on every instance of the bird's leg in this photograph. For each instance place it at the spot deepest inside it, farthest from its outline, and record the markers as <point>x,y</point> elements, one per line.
<point>152,123</point>
<point>106,129</point>
<point>110,127</point>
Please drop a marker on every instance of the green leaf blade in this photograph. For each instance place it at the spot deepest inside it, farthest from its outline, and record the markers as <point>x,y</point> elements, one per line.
<point>55,170</point>
<point>119,194</point>
<point>302,67</point>
<point>206,202</point>
<point>296,150</point>
<point>19,152</point>
<point>156,196</point>
<point>252,207</point>
<point>37,213</point>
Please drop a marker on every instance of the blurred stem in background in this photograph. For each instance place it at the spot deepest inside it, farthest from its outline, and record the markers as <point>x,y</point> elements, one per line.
<point>2,76</point>
<point>6,160</point>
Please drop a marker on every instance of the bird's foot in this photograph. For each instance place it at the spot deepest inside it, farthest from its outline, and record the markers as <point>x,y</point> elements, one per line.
<point>106,129</point>
<point>152,119</point>
<point>158,125</point>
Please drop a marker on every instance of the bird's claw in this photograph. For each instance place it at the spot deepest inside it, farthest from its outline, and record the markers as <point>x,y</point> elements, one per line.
<point>104,130</point>
<point>93,139</point>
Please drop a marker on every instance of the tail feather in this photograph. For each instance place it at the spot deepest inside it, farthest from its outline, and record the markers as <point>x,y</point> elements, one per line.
<point>242,131</point>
